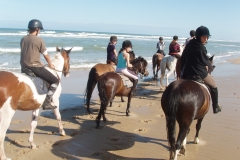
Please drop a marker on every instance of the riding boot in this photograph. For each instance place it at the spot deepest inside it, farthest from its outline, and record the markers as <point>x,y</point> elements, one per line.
<point>47,102</point>
<point>214,94</point>
<point>135,82</point>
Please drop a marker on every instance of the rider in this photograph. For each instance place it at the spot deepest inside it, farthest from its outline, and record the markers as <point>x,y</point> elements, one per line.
<point>160,46</point>
<point>195,62</point>
<point>111,51</point>
<point>174,48</point>
<point>124,62</point>
<point>192,34</point>
<point>31,47</point>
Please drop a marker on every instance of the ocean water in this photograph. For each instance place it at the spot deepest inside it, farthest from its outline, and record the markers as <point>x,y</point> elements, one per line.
<point>89,48</point>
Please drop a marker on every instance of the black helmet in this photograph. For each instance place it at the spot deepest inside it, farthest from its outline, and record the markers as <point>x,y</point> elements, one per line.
<point>175,38</point>
<point>126,44</point>
<point>160,38</point>
<point>192,33</point>
<point>34,23</point>
<point>113,38</point>
<point>202,31</point>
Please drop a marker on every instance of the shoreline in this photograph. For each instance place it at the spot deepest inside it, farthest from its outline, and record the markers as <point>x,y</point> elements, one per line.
<point>124,137</point>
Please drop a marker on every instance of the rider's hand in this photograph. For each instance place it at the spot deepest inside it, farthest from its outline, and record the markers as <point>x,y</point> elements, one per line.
<point>51,66</point>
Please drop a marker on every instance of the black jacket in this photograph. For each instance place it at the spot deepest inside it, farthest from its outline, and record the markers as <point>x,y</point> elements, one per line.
<point>194,60</point>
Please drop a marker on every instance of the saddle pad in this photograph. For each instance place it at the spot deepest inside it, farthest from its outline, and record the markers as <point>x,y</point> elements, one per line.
<point>126,81</point>
<point>204,86</point>
<point>40,84</point>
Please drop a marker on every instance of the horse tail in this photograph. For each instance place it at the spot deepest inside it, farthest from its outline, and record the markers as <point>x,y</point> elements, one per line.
<point>171,110</point>
<point>90,85</point>
<point>102,91</point>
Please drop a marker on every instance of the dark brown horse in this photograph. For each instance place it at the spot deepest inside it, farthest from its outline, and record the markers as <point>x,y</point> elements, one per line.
<point>111,85</point>
<point>184,101</point>
<point>94,75</point>
<point>156,61</point>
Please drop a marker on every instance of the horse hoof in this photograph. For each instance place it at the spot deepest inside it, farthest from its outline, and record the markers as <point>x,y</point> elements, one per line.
<point>33,146</point>
<point>105,119</point>
<point>62,133</point>
<point>196,141</point>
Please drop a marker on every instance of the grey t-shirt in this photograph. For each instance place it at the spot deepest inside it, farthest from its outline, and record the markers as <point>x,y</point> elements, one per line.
<point>31,47</point>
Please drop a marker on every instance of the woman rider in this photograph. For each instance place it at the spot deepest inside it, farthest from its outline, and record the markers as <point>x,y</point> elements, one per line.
<point>194,61</point>
<point>31,47</point>
<point>174,48</point>
<point>124,63</point>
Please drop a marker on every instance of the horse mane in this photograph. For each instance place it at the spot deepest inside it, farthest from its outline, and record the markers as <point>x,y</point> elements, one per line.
<point>140,59</point>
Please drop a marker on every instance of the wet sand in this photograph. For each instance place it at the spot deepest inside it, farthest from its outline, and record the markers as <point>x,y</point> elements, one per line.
<point>140,136</point>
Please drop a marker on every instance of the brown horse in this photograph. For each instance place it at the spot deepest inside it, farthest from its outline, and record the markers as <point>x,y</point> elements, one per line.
<point>156,61</point>
<point>18,92</point>
<point>184,101</point>
<point>111,85</point>
<point>94,75</point>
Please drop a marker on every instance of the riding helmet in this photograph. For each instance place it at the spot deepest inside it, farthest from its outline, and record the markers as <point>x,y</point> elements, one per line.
<point>175,38</point>
<point>160,38</point>
<point>113,38</point>
<point>192,33</point>
<point>126,44</point>
<point>34,23</point>
<point>202,31</point>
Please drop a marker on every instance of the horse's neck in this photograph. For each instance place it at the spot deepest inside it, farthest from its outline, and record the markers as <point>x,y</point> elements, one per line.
<point>58,63</point>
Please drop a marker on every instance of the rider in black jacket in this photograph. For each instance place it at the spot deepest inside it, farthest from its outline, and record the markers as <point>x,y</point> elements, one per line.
<point>194,61</point>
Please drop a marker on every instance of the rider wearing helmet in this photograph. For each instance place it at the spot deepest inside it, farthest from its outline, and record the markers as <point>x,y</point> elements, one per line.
<point>31,47</point>
<point>174,48</point>
<point>192,35</point>
<point>160,46</point>
<point>124,63</point>
<point>194,61</point>
<point>111,51</point>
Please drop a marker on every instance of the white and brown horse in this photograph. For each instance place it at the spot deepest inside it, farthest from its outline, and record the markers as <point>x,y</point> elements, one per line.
<point>18,92</point>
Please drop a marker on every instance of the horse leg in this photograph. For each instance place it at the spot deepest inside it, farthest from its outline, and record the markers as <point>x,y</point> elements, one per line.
<point>33,127</point>
<point>161,79</point>
<point>99,116</point>
<point>168,75</point>
<point>122,100</point>
<point>89,94</point>
<point>56,110</point>
<point>198,127</point>
<point>128,104</point>
<point>6,114</point>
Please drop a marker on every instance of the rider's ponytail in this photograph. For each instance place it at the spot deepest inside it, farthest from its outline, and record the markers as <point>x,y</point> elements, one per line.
<point>120,50</point>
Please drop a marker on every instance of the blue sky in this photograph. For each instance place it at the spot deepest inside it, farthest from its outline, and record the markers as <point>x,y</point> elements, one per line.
<point>154,17</point>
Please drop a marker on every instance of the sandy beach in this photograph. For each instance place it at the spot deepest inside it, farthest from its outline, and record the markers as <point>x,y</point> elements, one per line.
<point>140,136</point>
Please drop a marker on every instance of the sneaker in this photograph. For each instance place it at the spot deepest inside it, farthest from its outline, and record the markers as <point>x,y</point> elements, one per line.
<point>217,109</point>
<point>48,106</point>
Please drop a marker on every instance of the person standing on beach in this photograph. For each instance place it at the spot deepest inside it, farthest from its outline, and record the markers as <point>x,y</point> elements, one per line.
<point>111,51</point>
<point>31,47</point>
<point>124,63</point>
<point>174,48</point>
<point>160,46</point>
<point>195,62</point>
<point>192,35</point>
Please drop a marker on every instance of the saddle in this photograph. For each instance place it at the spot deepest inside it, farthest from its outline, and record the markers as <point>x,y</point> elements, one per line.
<point>40,84</point>
<point>200,81</point>
<point>127,82</point>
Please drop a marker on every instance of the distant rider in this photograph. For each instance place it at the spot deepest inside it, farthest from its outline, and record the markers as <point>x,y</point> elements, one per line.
<point>192,35</point>
<point>31,47</point>
<point>160,46</point>
<point>111,51</point>
<point>174,48</point>
<point>195,62</point>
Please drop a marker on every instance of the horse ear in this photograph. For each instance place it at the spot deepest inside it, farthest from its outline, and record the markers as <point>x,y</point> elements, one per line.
<point>211,58</point>
<point>68,51</point>
<point>57,49</point>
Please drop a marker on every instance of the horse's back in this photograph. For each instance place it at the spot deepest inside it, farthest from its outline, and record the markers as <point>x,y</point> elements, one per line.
<point>100,69</point>
<point>188,95</point>
<point>20,89</point>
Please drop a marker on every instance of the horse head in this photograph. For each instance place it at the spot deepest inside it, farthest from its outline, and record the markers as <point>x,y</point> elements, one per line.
<point>140,66</point>
<point>65,55</point>
<point>211,66</point>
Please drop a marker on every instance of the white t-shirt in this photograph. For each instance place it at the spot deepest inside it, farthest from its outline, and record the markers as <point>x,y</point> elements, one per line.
<point>160,46</point>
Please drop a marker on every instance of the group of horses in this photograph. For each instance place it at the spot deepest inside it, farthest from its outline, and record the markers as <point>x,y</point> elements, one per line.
<point>182,101</point>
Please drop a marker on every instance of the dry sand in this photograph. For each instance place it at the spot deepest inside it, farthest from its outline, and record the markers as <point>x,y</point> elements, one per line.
<point>140,136</point>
